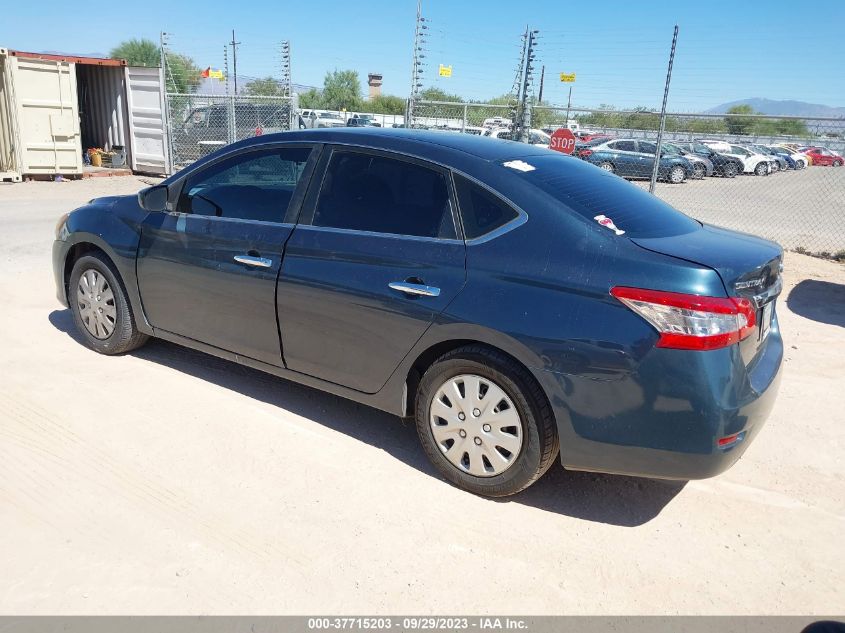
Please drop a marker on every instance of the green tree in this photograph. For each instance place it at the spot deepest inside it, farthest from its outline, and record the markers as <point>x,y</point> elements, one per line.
<point>266,87</point>
<point>436,94</point>
<point>736,122</point>
<point>137,52</point>
<point>386,104</point>
<point>341,89</point>
<point>311,99</point>
<point>182,73</point>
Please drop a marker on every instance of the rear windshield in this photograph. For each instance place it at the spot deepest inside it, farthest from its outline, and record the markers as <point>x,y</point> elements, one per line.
<point>590,192</point>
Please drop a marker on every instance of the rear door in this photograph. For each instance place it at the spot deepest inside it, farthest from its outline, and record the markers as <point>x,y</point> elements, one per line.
<point>208,269</point>
<point>626,158</point>
<point>375,258</point>
<point>148,136</point>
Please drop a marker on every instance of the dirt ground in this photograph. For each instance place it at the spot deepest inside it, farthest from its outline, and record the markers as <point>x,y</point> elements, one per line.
<point>166,482</point>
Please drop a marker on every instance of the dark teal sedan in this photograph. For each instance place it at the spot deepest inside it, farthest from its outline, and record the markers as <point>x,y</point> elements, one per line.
<point>631,158</point>
<point>521,306</point>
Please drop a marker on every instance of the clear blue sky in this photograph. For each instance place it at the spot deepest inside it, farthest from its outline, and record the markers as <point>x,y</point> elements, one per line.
<point>727,50</point>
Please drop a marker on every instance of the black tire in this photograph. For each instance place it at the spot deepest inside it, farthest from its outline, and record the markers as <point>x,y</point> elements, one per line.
<point>761,169</point>
<point>607,166</point>
<point>676,175</point>
<point>125,336</point>
<point>836,163</point>
<point>730,170</point>
<point>699,171</point>
<point>540,445</point>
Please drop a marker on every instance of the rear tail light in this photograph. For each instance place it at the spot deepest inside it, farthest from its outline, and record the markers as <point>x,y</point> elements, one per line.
<point>691,321</point>
<point>585,152</point>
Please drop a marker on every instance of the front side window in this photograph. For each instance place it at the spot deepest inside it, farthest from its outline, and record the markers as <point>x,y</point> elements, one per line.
<point>252,186</point>
<point>367,192</point>
<point>481,211</point>
<point>651,148</point>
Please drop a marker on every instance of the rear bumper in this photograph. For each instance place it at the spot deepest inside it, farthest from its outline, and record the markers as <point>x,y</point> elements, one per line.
<point>664,419</point>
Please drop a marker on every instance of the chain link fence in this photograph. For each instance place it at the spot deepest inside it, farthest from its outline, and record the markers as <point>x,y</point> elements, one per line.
<point>198,124</point>
<point>782,178</point>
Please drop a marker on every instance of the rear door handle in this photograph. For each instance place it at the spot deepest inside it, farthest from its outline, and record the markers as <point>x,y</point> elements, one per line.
<point>251,260</point>
<point>419,290</point>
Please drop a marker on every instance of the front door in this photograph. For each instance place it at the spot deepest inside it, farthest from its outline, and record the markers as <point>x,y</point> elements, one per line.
<point>208,270</point>
<point>376,257</point>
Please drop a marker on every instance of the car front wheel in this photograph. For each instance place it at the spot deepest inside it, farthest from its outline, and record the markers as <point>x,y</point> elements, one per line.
<point>607,166</point>
<point>101,311</point>
<point>484,422</point>
<point>731,170</point>
<point>761,169</point>
<point>677,175</point>
<point>837,163</point>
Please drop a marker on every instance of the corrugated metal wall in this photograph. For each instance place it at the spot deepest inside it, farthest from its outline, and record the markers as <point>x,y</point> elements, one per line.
<point>102,106</point>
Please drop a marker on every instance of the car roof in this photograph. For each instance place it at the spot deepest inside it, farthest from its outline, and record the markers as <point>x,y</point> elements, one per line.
<point>412,141</point>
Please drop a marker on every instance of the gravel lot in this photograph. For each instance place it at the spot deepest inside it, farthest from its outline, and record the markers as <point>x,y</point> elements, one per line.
<point>167,481</point>
<point>803,208</point>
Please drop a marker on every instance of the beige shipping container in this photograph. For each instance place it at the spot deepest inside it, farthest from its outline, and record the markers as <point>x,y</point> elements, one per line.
<point>53,108</point>
<point>40,116</point>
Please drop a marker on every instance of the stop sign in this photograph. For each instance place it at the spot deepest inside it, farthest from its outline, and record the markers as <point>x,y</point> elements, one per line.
<point>563,140</point>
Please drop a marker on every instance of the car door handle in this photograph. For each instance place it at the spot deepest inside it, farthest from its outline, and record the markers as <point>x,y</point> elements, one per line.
<point>251,260</point>
<point>420,290</point>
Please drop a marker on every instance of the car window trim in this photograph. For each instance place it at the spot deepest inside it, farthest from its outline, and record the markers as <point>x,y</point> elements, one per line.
<point>520,219</point>
<point>309,208</point>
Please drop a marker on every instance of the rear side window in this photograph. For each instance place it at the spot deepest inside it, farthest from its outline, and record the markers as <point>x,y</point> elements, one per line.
<point>626,146</point>
<point>481,211</point>
<point>367,192</point>
<point>588,191</point>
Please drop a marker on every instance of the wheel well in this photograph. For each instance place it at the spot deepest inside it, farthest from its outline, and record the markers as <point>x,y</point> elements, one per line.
<point>76,251</point>
<point>429,356</point>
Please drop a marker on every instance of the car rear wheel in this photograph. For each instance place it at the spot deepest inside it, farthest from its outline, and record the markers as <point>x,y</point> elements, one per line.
<point>775,167</point>
<point>677,175</point>
<point>761,169</point>
<point>731,170</point>
<point>837,163</point>
<point>699,171</point>
<point>607,166</point>
<point>484,422</point>
<point>100,308</point>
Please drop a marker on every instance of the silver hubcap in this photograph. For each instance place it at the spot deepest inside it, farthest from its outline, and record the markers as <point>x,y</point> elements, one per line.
<point>95,300</point>
<point>677,174</point>
<point>606,166</point>
<point>476,425</point>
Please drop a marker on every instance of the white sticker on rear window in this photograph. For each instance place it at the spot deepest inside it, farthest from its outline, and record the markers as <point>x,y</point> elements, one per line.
<point>519,165</point>
<point>606,221</point>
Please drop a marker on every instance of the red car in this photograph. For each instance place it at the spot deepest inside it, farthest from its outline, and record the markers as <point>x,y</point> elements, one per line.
<point>589,136</point>
<point>823,156</point>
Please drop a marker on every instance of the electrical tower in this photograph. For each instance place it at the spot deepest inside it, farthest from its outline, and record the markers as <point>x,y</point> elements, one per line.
<point>516,88</point>
<point>287,86</point>
<point>420,37</point>
<point>522,124</point>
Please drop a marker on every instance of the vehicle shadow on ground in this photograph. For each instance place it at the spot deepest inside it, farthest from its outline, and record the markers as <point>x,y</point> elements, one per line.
<point>821,301</point>
<point>623,501</point>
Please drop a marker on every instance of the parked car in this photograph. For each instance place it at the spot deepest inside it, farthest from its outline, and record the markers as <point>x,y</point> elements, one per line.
<point>715,144</point>
<point>801,160</point>
<point>362,120</point>
<point>780,163</point>
<point>823,157</point>
<point>535,137</point>
<point>701,166</point>
<point>794,160</point>
<point>496,122</point>
<point>322,119</point>
<point>207,128</point>
<point>630,158</point>
<point>586,136</point>
<point>723,165</point>
<point>584,148</point>
<point>753,162</point>
<point>625,337</point>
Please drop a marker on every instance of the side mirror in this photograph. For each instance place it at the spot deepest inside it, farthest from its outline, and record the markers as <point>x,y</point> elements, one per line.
<point>154,198</point>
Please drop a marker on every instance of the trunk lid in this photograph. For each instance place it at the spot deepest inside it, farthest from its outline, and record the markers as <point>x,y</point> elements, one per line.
<point>749,267</point>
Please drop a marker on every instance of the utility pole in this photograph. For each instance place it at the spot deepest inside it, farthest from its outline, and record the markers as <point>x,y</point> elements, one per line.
<point>235,59</point>
<point>287,87</point>
<point>226,67</point>
<point>516,89</point>
<point>525,110</point>
<point>417,64</point>
<point>162,43</point>
<point>542,80</point>
<point>654,170</point>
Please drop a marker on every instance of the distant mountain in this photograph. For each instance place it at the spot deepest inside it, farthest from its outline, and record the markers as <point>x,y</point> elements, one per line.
<point>783,108</point>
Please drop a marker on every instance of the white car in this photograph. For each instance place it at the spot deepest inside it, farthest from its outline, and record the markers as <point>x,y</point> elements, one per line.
<point>535,137</point>
<point>717,146</point>
<point>801,160</point>
<point>323,119</point>
<point>752,162</point>
<point>496,121</point>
